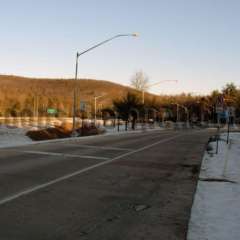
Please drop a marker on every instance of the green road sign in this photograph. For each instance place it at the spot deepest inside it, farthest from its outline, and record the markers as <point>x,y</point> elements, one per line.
<point>51,111</point>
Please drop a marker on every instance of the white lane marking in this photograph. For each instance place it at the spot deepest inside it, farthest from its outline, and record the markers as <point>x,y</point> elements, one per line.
<point>100,147</point>
<point>65,155</point>
<point>65,177</point>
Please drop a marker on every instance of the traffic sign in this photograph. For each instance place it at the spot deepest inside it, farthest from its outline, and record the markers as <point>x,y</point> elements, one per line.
<point>51,110</point>
<point>224,114</point>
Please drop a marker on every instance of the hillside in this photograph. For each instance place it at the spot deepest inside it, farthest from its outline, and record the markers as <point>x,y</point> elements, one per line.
<point>20,94</point>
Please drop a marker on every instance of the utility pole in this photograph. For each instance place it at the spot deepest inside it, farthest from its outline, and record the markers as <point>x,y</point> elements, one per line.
<point>75,95</point>
<point>177,112</point>
<point>76,73</point>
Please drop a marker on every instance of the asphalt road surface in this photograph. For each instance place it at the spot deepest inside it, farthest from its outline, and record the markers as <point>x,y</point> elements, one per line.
<point>126,187</point>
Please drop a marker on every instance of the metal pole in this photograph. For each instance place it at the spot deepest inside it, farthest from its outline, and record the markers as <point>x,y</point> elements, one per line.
<point>217,139</point>
<point>75,96</point>
<point>95,110</point>
<point>76,72</point>
<point>187,113</point>
<point>202,114</point>
<point>143,96</point>
<point>177,113</point>
<point>118,124</point>
<point>34,107</point>
<point>37,103</point>
<point>228,130</point>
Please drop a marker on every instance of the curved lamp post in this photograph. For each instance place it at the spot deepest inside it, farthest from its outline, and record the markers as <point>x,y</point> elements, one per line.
<point>154,84</point>
<point>185,109</point>
<point>95,107</point>
<point>76,71</point>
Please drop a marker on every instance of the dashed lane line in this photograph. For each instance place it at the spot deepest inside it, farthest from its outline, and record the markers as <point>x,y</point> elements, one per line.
<point>65,155</point>
<point>99,147</point>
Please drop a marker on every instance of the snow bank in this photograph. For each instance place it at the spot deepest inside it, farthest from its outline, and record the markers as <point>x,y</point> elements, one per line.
<point>216,209</point>
<point>11,136</point>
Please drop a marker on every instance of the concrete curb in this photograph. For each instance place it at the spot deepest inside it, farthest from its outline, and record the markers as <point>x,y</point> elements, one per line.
<point>85,137</point>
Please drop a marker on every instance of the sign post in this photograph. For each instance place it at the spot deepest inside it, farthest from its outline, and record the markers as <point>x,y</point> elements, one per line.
<point>83,106</point>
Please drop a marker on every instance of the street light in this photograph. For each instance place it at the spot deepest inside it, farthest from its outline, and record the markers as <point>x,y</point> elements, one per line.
<point>185,109</point>
<point>76,70</point>
<point>177,109</point>
<point>202,105</point>
<point>187,112</point>
<point>154,84</point>
<point>95,108</point>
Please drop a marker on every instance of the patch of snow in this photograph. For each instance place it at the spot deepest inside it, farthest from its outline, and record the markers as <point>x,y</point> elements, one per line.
<point>12,136</point>
<point>216,209</point>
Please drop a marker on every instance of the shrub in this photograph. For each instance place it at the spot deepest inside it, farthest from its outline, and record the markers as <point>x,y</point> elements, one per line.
<point>49,133</point>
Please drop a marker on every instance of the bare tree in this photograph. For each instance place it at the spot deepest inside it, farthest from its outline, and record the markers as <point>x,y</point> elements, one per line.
<point>140,81</point>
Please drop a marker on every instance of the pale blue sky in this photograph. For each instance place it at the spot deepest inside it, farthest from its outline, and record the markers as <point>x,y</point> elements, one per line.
<point>194,41</point>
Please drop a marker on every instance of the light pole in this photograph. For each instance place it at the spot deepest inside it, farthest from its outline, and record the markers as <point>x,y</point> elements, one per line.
<point>76,72</point>
<point>185,109</point>
<point>154,84</point>
<point>202,109</point>
<point>177,110</point>
<point>187,112</point>
<point>95,108</point>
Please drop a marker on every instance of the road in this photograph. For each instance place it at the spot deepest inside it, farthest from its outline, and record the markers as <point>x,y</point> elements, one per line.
<point>120,187</point>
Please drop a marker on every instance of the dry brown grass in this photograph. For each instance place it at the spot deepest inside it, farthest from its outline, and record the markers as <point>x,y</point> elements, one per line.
<point>19,93</point>
<point>49,133</point>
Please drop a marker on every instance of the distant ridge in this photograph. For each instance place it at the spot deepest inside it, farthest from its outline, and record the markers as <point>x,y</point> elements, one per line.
<point>18,92</point>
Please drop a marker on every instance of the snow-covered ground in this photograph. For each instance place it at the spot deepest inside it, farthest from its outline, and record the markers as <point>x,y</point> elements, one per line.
<point>11,136</point>
<point>216,209</point>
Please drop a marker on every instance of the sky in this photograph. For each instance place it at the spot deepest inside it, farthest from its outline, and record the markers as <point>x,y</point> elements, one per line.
<point>193,41</point>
